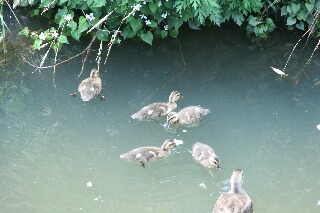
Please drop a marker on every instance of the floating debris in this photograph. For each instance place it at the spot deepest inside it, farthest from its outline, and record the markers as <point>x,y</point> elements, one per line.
<point>280,72</point>
<point>89,184</point>
<point>96,199</point>
<point>318,203</point>
<point>203,185</point>
<point>318,126</point>
<point>184,130</point>
<point>178,142</point>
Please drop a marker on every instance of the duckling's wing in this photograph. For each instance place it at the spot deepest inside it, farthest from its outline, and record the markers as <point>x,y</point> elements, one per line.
<point>86,89</point>
<point>201,151</point>
<point>234,203</point>
<point>141,154</point>
<point>152,111</point>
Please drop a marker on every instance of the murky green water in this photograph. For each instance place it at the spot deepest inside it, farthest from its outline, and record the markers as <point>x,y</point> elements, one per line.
<point>52,144</point>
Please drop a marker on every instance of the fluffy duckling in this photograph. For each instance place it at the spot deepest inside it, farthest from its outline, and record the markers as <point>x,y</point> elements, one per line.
<point>236,200</point>
<point>90,87</point>
<point>148,153</point>
<point>157,110</point>
<point>188,116</point>
<point>205,155</point>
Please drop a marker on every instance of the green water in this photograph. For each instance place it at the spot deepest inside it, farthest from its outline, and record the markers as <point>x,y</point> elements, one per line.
<point>52,144</point>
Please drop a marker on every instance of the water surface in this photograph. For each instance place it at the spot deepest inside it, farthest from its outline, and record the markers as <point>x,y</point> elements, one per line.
<point>52,144</point>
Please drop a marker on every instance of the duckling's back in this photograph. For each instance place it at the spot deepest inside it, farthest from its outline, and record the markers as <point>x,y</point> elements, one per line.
<point>233,203</point>
<point>90,87</point>
<point>201,153</point>
<point>143,154</point>
<point>154,111</point>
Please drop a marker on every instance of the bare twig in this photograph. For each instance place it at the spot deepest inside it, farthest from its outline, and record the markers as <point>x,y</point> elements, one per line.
<point>114,36</point>
<point>46,8</point>
<point>98,58</point>
<point>87,52</point>
<point>294,49</point>
<point>13,12</point>
<point>101,21</point>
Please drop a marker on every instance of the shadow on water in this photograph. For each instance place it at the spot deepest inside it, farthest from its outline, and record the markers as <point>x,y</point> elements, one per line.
<point>54,144</point>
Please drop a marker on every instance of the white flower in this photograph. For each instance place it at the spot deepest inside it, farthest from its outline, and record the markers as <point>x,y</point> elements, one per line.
<point>148,22</point>
<point>164,15</point>
<point>136,7</point>
<point>159,4</point>
<point>143,16</point>
<point>166,27</point>
<point>42,36</point>
<point>55,34</point>
<point>90,17</point>
<point>68,17</point>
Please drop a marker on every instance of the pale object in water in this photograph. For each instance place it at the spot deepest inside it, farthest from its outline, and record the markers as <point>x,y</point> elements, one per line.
<point>280,72</point>
<point>203,185</point>
<point>178,142</point>
<point>318,203</point>
<point>89,184</point>
<point>318,126</point>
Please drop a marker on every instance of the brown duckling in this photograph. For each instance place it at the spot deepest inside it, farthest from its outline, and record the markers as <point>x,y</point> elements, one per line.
<point>148,153</point>
<point>90,87</point>
<point>236,200</point>
<point>205,155</point>
<point>188,116</point>
<point>157,110</point>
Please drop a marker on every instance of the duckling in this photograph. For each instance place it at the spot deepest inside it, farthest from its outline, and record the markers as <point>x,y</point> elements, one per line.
<point>157,110</point>
<point>188,116</point>
<point>90,87</point>
<point>236,200</point>
<point>205,155</point>
<point>148,153</point>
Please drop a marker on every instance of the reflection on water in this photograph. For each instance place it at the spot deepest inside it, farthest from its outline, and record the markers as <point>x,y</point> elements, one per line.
<point>52,144</point>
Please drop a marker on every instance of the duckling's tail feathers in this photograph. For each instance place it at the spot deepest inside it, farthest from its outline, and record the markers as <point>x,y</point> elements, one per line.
<point>206,111</point>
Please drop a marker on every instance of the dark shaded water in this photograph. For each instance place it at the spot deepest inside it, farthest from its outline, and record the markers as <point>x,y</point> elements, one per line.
<point>52,145</point>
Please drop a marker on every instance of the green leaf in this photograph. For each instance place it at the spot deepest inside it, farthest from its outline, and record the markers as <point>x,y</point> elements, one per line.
<point>253,21</point>
<point>153,7</point>
<point>309,6</point>
<point>153,24</point>
<point>147,37</point>
<point>103,35</point>
<point>284,11</point>
<point>25,31</point>
<point>136,24</point>
<point>76,35</point>
<point>34,12</point>
<point>302,15</point>
<point>37,43</point>
<point>291,20</point>
<point>73,25</point>
<point>300,25</point>
<point>83,24</point>
<point>62,2</point>
<point>127,32</point>
<point>63,39</point>
<point>295,8</point>
<point>98,3</point>
<point>289,9</point>
<point>164,34</point>
<point>174,33</point>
